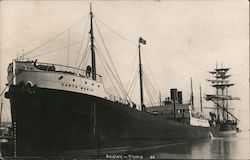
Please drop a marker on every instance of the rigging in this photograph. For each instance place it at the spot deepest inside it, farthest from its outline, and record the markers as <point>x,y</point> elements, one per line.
<point>55,37</point>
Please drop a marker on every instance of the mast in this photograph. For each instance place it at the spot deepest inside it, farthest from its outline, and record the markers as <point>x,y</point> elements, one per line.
<point>160,98</point>
<point>227,103</point>
<point>201,99</point>
<point>140,72</point>
<point>221,98</point>
<point>217,93</point>
<point>192,95</point>
<point>92,46</point>
<point>1,110</point>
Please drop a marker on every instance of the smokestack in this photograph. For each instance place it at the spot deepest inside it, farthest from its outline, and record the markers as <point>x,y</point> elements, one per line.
<point>180,97</point>
<point>173,94</point>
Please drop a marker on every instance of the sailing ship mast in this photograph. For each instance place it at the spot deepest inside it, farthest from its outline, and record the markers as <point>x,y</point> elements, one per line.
<point>221,83</point>
<point>201,99</point>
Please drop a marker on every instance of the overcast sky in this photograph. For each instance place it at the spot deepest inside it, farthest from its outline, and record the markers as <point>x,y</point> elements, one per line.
<point>184,39</point>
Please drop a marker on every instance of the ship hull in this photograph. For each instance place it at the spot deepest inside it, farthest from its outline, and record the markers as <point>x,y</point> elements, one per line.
<point>49,122</point>
<point>227,133</point>
<point>228,129</point>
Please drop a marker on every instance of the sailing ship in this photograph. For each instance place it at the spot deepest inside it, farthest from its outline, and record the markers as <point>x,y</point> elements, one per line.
<point>60,110</point>
<point>222,115</point>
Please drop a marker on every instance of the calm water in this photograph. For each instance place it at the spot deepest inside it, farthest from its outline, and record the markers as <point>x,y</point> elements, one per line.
<point>236,147</point>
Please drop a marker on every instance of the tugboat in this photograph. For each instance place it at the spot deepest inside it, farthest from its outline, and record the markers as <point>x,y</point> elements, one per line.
<point>222,115</point>
<point>58,110</point>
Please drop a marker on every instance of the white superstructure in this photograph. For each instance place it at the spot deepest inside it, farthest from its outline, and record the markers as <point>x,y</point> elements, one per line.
<point>59,77</point>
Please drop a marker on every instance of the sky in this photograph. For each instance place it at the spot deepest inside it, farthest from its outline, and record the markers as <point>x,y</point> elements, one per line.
<point>184,39</point>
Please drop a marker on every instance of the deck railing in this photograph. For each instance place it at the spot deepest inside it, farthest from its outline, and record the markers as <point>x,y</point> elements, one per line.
<point>65,69</point>
<point>51,67</point>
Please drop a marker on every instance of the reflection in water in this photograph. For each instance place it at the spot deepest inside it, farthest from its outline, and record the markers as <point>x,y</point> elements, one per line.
<point>220,148</point>
<point>236,147</point>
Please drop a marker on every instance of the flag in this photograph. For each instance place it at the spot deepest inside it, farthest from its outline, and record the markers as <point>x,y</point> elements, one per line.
<point>142,41</point>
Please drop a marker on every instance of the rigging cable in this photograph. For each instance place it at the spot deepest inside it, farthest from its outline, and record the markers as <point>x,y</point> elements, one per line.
<point>150,71</point>
<point>52,51</point>
<point>133,83</point>
<point>103,57</point>
<point>119,80</point>
<point>107,71</point>
<point>133,70</point>
<point>82,42</point>
<point>58,35</point>
<point>86,59</point>
<point>147,89</point>
<point>85,54</point>
<point>116,33</point>
<point>68,46</point>
<point>132,91</point>
<point>6,111</point>
<point>150,84</point>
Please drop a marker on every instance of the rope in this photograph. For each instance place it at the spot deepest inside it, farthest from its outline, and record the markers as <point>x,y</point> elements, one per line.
<point>133,70</point>
<point>150,71</point>
<point>29,52</point>
<point>107,72</point>
<point>147,89</point>
<point>9,82</point>
<point>82,43</point>
<point>119,80</point>
<point>72,44</point>
<point>117,33</point>
<point>132,91</point>
<point>103,57</point>
<point>68,46</point>
<point>133,81</point>
<point>150,84</point>
<point>85,53</point>
<point>86,60</point>
<point>8,107</point>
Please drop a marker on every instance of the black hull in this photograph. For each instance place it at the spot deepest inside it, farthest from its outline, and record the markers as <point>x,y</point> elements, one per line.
<point>228,127</point>
<point>50,122</point>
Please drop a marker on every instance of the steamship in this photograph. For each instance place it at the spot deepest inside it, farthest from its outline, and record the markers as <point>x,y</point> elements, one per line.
<point>61,110</point>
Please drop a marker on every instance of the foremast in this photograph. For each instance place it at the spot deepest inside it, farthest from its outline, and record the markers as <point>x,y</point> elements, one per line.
<point>221,83</point>
<point>92,46</point>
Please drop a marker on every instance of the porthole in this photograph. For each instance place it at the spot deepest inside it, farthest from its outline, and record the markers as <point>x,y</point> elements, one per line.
<point>69,85</point>
<point>62,84</point>
<point>73,79</point>
<point>98,85</point>
<point>92,84</point>
<point>85,82</point>
<point>81,88</point>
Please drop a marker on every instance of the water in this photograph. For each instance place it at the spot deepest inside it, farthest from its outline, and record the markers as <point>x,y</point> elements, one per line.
<point>236,147</point>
